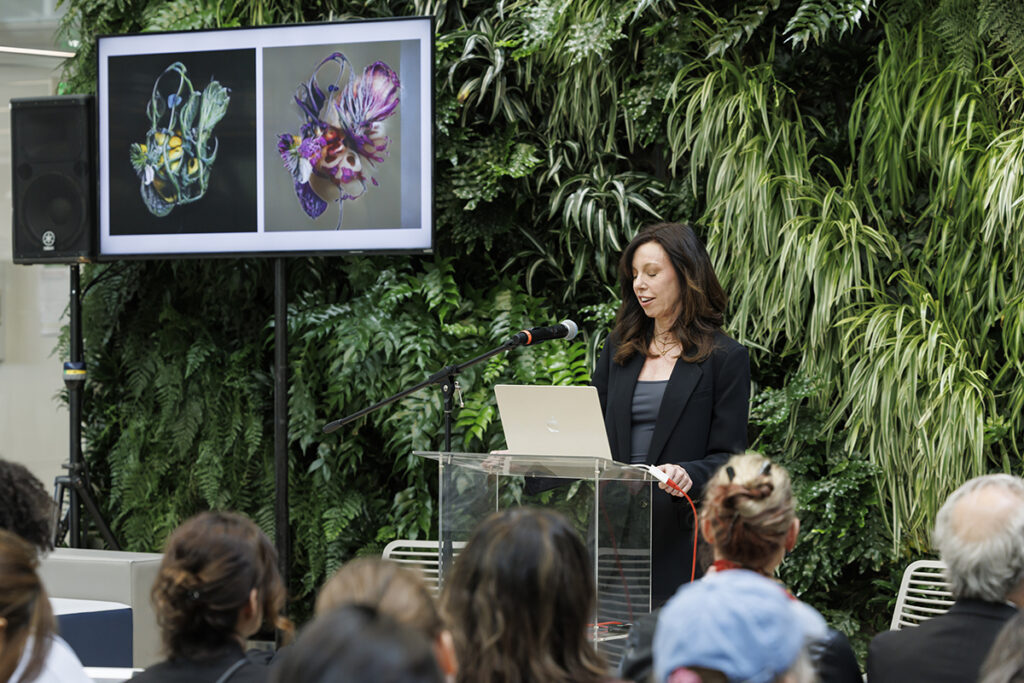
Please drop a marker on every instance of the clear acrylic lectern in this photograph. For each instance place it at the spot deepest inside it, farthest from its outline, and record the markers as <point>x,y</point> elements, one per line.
<point>609,504</point>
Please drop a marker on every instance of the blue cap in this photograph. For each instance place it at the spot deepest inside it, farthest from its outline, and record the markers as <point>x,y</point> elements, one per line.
<point>737,622</point>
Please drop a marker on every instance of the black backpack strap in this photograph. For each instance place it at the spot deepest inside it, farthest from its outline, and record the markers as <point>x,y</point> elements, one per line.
<point>232,669</point>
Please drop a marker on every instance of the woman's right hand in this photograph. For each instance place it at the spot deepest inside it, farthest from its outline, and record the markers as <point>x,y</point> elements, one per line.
<point>677,475</point>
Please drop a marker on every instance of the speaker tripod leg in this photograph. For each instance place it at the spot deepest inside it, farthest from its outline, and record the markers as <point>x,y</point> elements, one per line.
<point>60,517</point>
<point>85,497</point>
<point>78,472</point>
<point>76,488</point>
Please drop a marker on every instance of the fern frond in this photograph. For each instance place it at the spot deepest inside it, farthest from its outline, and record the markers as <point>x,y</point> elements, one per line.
<point>813,20</point>
<point>738,29</point>
<point>186,426</point>
<point>956,24</point>
<point>197,353</point>
<point>179,15</point>
<point>1003,21</point>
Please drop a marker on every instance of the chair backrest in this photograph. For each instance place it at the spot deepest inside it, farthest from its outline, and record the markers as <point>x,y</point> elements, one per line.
<point>113,576</point>
<point>925,592</point>
<point>424,555</point>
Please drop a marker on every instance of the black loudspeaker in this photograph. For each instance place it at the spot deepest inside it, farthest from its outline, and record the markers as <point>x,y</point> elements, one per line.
<point>53,154</point>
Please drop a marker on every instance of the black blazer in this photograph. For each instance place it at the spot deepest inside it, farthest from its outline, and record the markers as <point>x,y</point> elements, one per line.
<point>701,422</point>
<point>950,647</point>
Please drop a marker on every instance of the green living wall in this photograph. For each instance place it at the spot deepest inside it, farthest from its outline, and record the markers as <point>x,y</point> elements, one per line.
<point>858,172</point>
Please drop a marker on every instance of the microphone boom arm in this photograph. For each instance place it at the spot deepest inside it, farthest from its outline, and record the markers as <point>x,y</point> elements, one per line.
<point>445,377</point>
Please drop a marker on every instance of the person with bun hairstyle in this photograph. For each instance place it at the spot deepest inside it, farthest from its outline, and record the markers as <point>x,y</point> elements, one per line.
<point>30,651</point>
<point>749,515</point>
<point>218,584</point>
<point>674,388</point>
<point>748,518</point>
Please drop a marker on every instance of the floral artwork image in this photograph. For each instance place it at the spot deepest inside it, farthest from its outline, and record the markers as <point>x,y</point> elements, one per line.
<point>175,161</point>
<point>342,136</point>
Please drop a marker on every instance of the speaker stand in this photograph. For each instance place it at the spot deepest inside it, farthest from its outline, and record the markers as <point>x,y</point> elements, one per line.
<point>76,482</point>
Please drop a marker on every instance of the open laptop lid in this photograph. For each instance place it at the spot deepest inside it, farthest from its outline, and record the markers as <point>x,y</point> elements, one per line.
<point>552,420</point>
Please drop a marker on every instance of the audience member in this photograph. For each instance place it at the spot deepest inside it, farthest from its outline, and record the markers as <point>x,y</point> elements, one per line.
<point>734,626</point>
<point>358,644</point>
<point>518,601</point>
<point>1005,661</point>
<point>26,509</point>
<point>394,590</point>
<point>218,585</point>
<point>749,520</point>
<point>29,650</point>
<point>978,533</point>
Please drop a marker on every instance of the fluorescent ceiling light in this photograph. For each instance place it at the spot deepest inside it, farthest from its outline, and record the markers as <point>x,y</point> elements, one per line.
<point>59,54</point>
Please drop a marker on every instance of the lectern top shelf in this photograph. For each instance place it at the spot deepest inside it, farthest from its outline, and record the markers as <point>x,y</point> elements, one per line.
<point>532,465</point>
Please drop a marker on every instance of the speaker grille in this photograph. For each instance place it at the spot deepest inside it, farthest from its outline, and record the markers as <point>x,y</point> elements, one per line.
<point>54,212</point>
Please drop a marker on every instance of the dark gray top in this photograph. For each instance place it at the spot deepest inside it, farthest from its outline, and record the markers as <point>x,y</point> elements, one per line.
<point>646,404</point>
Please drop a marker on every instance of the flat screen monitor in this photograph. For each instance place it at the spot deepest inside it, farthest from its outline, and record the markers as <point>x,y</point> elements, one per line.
<point>309,138</point>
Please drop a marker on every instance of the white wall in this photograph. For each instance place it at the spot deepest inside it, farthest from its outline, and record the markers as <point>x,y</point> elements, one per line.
<point>33,423</point>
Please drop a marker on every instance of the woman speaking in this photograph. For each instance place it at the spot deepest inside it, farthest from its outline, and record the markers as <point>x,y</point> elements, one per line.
<point>674,388</point>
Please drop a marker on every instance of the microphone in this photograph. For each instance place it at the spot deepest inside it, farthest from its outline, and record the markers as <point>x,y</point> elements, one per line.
<point>564,330</point>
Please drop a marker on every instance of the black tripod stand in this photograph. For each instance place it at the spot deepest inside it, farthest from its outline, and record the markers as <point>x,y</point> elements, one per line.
<point>76,482</point>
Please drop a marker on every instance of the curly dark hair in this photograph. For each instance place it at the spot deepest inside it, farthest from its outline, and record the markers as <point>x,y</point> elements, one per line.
<point>27,508</point>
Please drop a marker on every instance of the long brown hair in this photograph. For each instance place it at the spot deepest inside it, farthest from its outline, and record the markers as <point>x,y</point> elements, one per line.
<point>519,599</point>
<point>211,564</point>
<point>24,606</point>
<point>749,505</point>
<point>702,300</point>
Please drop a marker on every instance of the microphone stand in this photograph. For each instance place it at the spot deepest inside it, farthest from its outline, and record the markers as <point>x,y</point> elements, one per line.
<point>446,377</point>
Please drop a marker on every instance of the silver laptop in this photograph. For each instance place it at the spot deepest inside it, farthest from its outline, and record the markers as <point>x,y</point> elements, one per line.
<point>552,420</point>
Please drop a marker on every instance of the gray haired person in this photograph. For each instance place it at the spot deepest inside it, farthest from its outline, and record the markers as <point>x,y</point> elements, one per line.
<point>979,534</point>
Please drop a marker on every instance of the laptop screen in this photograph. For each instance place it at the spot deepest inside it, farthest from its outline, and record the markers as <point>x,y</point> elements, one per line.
<point>552,420</point>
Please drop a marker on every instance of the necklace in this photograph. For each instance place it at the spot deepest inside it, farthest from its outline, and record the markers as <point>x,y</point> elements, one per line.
<point>663,348</point>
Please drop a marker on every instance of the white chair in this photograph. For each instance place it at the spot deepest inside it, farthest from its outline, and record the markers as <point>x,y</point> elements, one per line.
<point>924,593</point>
<point>624,591</point>
<point>424,555</point>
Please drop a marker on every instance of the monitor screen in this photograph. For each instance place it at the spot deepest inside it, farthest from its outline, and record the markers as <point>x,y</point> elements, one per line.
<point>308,138</point>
